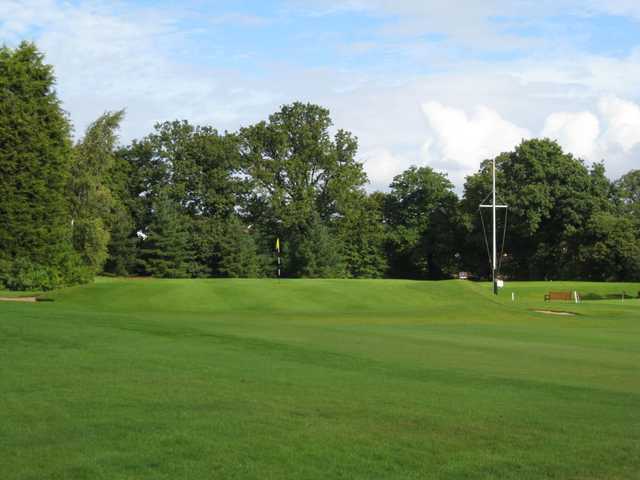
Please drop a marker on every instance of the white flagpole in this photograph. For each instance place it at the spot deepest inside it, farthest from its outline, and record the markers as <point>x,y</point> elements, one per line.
<point>495,251</point>
<point>494,206</point>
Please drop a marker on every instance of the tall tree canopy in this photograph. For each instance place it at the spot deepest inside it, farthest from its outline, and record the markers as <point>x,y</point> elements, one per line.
<point>303,181</point>
<point>35,159</point>
<point>424,220</point>
<point>362,236</point>
<point>556,203</point>
<point>193,173</point>
<point>188,201</point>
<point>628,191</point>
<point>95,211</point>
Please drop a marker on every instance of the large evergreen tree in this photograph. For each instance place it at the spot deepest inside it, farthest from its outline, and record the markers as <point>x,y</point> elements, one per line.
<point>239,257</point>
<point>124,184</point>
<point>165,249</point>
<point>35,158</point>
<point>315,252</point>
<point>196,169</point>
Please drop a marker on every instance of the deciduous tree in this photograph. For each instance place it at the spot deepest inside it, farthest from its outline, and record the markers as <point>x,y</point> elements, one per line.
<point>424,221</point>
<point>95,211</point>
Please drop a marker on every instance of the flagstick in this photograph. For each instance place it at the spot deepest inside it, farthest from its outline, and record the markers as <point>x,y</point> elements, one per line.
<point>278,251</point>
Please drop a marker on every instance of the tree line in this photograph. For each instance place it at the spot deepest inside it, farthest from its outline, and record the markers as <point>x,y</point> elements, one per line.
<point>188,201</point>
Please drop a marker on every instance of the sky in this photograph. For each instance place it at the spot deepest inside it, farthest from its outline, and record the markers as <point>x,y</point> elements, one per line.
<point>420,82</point>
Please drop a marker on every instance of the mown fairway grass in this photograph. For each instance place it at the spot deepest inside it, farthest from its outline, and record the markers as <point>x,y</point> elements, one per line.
<point>260,379</point>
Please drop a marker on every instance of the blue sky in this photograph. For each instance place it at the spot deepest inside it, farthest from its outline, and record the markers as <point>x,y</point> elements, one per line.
<point>252,35</point>
<point>421,82</point>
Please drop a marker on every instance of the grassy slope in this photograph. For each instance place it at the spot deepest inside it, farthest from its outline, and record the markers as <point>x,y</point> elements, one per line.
<point>318,379</point>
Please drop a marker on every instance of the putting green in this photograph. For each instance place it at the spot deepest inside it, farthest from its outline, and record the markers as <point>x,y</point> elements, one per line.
<point>353,379</point>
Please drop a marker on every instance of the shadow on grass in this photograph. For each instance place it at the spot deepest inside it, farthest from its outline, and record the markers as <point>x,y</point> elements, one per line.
<point>608,296</point>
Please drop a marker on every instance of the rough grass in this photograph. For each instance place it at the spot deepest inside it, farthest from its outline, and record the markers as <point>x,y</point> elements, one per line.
<point>260,379</point>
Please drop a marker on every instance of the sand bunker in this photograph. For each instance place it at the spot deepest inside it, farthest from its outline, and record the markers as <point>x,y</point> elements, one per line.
<point>19,299</point>
<point>555,312</point>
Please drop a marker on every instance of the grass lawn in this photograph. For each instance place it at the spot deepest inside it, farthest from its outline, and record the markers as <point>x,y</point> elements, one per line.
<point>326,379</point>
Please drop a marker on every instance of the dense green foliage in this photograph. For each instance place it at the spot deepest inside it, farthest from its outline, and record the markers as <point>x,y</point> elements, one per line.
<point>94,209</point>
<point>189,201</point>
<point>287,178</point>
<point>35,161</point>
<point>260,379</point>
<point>165,249</point>
<point>304,184</point>
<point>565,220</point>
<point>424,220</point>
<point>629,194</point>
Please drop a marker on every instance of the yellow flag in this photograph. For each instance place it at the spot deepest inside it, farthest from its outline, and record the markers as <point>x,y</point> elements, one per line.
<point>278,245</point>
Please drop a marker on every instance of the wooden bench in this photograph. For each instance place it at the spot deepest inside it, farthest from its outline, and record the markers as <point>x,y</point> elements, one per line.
<point>558,296</point>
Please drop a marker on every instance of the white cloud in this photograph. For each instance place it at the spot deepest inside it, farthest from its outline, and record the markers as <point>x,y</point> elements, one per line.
<point>577,132</point>
<point>459,142</point>
<point>110,60</point>
<point>381,166</point>
<point>17,16</point>
<point>623,122</point>
<point>611,133</point>
<point>105,60</point>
